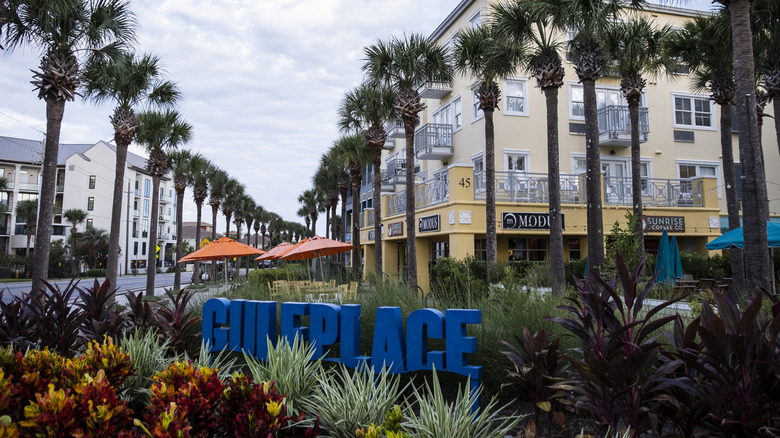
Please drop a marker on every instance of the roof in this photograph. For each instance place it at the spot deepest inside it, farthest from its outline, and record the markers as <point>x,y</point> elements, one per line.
<point>29,151</point>
<point>132,159</point>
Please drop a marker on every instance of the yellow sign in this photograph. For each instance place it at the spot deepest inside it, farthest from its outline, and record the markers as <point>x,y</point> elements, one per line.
<point>158,252</point>
<point>158,248</point>
<point>204,242</point>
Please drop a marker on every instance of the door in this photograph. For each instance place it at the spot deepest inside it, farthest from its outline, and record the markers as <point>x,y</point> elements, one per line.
<point>617,185</point>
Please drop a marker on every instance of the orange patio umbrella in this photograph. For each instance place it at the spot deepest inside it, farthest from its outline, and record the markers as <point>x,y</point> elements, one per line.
<point>317,247</point>
<point>223,248</point>
<point>282,249</point>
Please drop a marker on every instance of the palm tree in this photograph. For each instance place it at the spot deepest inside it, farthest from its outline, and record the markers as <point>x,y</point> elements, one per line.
<point>179,163</point>
<point>481,52</point>
<point>264,217</point>
<point>754,192</point>
<point>217,183</point>
<point>365,110</point>
<point>588,19</point>
<point>767,16</point>
<point>200,170</point>
<point>403,64</point>
<point>259,215</point>
<point>308,201</point>
<point>233,192</point>
<point>75,217</point>
<point>699,46</point>
<point>131,82</point>
<point>62,30</point>
<point>159,133</point>
<point>353,152</point>
<point>249,217</point>
<point>325,179</point>
<point>634,48</point>
<point>27,211</point>
<point>516,20</point>
<point>92,239</point>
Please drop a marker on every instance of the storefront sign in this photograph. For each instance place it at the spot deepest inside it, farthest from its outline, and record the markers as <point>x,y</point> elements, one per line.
<point>395,229</point>
<point>527,221</point>
<point>248,325</point>
<point>428,223</point>
<point>660,223</point>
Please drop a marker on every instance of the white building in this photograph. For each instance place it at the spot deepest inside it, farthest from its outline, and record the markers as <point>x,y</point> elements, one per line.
<point>85,180</point>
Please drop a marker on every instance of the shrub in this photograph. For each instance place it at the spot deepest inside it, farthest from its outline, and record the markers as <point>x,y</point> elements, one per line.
<point>102,316</point>
<point>455,281</point>
<point>702,266</point>
<point>149,354</point>
<point>178,323</point>
<point>93,273</point>
<point>261,277</point>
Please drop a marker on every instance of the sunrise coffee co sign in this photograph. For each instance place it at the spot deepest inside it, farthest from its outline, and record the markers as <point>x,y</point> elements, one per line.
<point>247,325</point>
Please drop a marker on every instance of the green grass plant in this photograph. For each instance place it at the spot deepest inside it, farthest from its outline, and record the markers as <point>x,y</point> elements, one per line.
<point>290,365</point>
<point>432,415</point>
<point>150,354</point>
<point>349,399</point>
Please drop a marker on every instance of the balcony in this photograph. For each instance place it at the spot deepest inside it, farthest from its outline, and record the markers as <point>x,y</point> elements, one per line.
<point>57,210</point>
<point>433,141</point>
<point>386,186</point>
<point>60,188</point>
<point>432,192</point>
<point>434,90</point>
<point>396,170</point>
<point>4,231</point>
<point>514,186</point>
<point>164,236</point>
<point>9,185</point>
<point>367,218</point>
<point>615,126</point>
<point>137,193</point>
<point>165,218</point>
<point>394,130</point>
<point>136,213</point>
<point>656,192</point>
<point>165,199</point>
<point>29,187</point>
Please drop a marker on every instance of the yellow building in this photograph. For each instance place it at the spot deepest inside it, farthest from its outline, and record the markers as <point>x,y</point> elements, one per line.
<point>680,165</point>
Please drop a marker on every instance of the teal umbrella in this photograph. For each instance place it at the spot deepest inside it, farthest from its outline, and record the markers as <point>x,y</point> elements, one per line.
<point>663,263</point>
<point>674,254</point>
<point>735,238</point>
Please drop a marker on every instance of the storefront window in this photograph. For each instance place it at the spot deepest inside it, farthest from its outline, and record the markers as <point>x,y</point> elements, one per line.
<point>574,249</point>
<point>480,249</point>
<point>531,249</point>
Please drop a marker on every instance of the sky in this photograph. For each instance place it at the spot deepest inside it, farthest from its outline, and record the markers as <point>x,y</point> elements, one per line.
<point>262,81</point>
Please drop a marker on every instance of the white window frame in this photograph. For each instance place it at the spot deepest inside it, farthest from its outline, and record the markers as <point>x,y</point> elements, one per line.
<point>692,97</point>
<point>698,164</point>
<point>451,106</point>
<point>526,154</point>
<point>476,114</point>
<point>476,18</point>
<point>505,90</point>
<point>478,157</point>
<point>572,116</point>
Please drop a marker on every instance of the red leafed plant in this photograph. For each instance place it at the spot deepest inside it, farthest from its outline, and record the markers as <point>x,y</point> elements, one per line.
<point>107,356</point>
<point>195,393</point>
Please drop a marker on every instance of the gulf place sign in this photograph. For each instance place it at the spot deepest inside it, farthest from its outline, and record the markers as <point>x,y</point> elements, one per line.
<point>247,325</point>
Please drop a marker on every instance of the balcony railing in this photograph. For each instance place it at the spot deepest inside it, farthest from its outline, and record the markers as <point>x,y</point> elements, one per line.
<point>165,218</point>
<point>4,231</point>
<point>29,187</point>
<point>515,186</point>
<point>433,141</point>
<point>432,192</point>
<point>60,188</point>
<point>164,236</point>
<point>9,185</point>
<point>367,218</point>
<point>656,192</point>
<point>137,193</point>
<point>57,210</point>
<point>396,170</point>
<point>434,90</point>
<point>136,213</point>
<point>615,125</point>
<point>165,199</point>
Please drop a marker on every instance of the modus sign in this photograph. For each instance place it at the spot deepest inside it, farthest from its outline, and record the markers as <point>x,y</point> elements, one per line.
<point>247,325</point>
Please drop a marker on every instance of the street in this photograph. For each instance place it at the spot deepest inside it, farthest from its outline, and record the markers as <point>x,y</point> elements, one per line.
<point>129,282</point>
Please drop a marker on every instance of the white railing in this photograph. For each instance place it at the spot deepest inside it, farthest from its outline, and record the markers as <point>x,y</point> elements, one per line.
<point>656,192</point>
<point>517,186</point>
<point>432,192</point>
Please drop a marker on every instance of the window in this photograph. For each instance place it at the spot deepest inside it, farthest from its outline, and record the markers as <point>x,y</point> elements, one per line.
<point>143,248</point>
<point>479,172</point>
<point>514,97</point>
<point>574,249</point>
<point>135,230</point>
<point>576,102</point>
<point>90,222</point>
<point>694,169</point>
<point>92,179</point>
<point>476,113</point>
<point>145,226</point>
<point>480,249</point>
<point>451,113</point>
<point>531,249</point>
<point>146,208</point>
<point>476,19</point>
<point>441,249</point>
<point>516,160</point>
<point>644,174</point>
<point>692,112</point>
<point>90,203</point>
<point>135,248</point>
<point>147,187</point>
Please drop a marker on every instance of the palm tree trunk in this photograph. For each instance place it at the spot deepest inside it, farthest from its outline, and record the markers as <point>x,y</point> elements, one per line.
<point>238,259</point>
<point>177,266</point>
<point>411,251</point>
<point>343,236</point>
<point>754,202</point>
<point>327,222</point>
<point>377,203</point>
<point>214,211</point>
<point>74,269</point>
<point>334,226</point>
<point>593,180</point>
<point>227,223</point>
<point>116,206</point>
<point>29,236</point>
<point>357,260</point>
<point>151,259</point>
<point>636,175</point>
<point>732,197</point>
<point>491,244</point>
<point>557,267</point>
<point>196,269</point>
<point>776,107</point>
<point>55,109</point>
